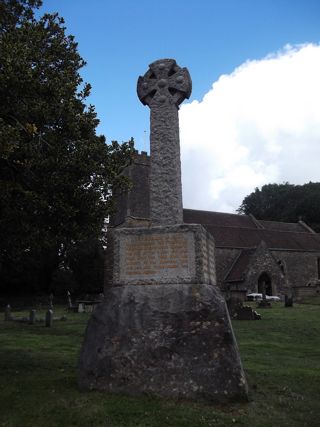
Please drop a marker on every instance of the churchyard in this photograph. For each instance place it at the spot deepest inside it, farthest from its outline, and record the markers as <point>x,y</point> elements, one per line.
<point>160,348</point>
<point>280,354</point>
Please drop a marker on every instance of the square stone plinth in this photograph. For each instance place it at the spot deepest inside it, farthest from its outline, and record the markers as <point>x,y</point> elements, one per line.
<point>162,255</point>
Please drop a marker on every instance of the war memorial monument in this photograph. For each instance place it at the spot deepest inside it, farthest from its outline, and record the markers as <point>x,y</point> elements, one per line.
<point>163,327</point>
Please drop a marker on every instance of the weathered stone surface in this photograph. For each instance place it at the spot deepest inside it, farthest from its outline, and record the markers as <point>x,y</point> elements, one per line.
<point>164,86</point>
<point>158,255</point>
<point>163,328</point>
<point>170,340</point>
<point>49,318</point>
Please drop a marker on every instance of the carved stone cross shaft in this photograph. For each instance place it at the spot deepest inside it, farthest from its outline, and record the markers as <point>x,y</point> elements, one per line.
<point>163,88</point>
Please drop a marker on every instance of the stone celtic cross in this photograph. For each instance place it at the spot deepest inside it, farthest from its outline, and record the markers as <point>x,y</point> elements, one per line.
<point>163,88</point>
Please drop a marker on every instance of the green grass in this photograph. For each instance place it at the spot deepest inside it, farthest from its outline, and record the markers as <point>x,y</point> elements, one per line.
<point>280,354</point>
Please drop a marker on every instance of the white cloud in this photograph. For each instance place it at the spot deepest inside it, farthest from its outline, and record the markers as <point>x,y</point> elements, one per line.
<point>258,125</point>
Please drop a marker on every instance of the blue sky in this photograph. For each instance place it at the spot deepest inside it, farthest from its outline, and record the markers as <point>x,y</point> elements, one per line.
<point>212,38</point>
<point>119,38</point>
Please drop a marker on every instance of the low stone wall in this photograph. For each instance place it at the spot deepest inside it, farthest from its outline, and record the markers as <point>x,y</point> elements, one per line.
<point>306,291</point>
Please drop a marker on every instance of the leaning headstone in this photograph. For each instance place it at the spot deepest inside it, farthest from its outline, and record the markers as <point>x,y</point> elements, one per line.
<point>49,318</point>
<point>163,327</point>
<point>7,313</point>
<point>32,317</point>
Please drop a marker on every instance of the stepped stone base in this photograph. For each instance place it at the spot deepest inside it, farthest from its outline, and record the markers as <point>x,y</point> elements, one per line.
<point>170,340</point>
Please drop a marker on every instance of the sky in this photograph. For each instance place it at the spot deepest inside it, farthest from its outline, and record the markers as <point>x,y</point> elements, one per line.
<point>253,117</point>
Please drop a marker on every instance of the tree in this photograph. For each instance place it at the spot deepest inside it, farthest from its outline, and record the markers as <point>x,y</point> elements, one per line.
<point>56,174</point>
<point>285,202</point>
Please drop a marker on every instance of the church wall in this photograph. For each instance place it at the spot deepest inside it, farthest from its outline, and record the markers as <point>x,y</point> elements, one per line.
<point>306,291</point>
<point>300,267</point>
<point>264,262</point>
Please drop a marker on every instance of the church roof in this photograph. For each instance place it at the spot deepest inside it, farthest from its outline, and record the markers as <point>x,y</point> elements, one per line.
<point>245,231</point>
<point>282,226</point>
<point>237,271</point>
<point>217,218</point>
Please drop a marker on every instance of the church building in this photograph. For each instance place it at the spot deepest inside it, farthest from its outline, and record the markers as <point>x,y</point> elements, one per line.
<point>250,254</point>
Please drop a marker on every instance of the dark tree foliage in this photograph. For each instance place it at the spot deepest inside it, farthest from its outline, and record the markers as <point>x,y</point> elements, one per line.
<point>87,261</point>
<point>285,202</point>
<point>55,172</point>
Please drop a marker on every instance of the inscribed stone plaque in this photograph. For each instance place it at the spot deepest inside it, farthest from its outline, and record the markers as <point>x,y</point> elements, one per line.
<point>157,257</point>
<point>161,255</point>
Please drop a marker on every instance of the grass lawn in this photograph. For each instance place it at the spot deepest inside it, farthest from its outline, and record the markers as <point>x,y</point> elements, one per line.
<point>280,354</point>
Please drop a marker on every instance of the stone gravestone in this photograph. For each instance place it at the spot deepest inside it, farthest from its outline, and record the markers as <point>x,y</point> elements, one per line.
<point>7,313</point>
<point>163,327</point>
<point>32,317</point>
<point>49,318</point>
<point>288,301</point>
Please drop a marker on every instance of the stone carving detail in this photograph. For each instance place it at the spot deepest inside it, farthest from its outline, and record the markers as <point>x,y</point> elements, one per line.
<point>163,327</point>
<point>164,82</point>
<point>164,86</point>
